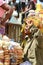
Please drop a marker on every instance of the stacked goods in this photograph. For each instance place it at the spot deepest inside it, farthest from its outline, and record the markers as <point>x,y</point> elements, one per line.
<point>6,57</point>
<point>16,55</point>
<point>10,54</point>
<point>38,7</point>
<point>1,55</point>
<point>39,11</point>
<point>4,54</point>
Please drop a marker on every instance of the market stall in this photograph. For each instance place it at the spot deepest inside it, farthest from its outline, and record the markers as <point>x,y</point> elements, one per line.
<point>13,28</point>
<point>24,44</point>
<point>13,31</point>
<point>10,52</point>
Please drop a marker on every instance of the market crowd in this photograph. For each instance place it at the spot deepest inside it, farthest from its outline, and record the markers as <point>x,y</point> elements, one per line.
<point>32,28</point>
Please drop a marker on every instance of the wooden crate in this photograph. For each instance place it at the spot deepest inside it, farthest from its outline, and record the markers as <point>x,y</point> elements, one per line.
<point>13,31</point>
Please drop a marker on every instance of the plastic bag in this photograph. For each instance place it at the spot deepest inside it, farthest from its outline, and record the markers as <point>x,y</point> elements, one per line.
<point>26,63</point>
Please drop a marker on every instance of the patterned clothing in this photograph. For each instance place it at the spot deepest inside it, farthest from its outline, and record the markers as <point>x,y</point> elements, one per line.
<point>33,49</point>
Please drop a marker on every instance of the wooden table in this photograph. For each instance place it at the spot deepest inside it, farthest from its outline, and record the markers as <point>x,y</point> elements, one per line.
<point>13,31</point>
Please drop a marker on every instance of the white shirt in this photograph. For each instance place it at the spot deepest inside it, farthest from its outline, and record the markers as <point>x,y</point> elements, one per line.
<point>14,13</point>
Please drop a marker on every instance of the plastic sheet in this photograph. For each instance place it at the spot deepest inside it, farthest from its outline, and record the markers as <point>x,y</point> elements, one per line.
<point>26,63</point>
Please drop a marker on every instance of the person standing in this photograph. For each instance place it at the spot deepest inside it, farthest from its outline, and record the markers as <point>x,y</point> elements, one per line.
<point>23,4</point>
<point>8,10</point>
<point>6,14</point>
<point>31,5</point>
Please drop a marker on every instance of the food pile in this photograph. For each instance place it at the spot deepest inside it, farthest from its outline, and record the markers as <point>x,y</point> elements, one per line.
<point>10,52</point>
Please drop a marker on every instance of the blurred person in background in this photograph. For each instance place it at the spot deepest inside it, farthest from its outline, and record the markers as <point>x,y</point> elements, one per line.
<point>23,4</point>
<point>12,3</point>
<point>18,6</point>
<point>31,5</point>
<point>8,11</point>
<point>5,14</point>
<point>16,3</point>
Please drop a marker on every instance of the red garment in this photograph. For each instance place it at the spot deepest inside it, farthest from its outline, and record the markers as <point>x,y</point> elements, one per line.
<point>2,11</point>
<point>35,1</point>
